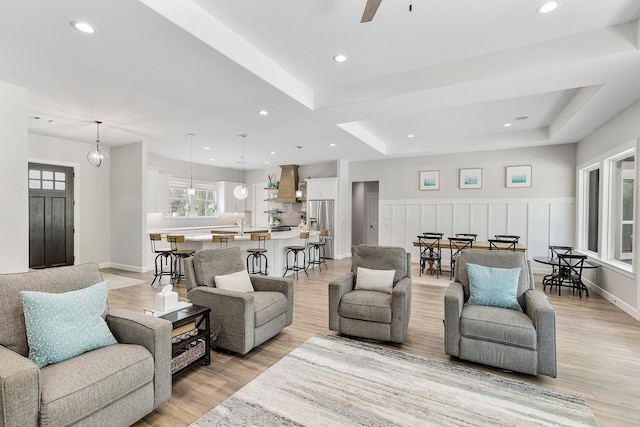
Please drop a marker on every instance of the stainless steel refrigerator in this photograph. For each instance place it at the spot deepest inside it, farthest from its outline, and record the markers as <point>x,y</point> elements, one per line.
<point>320,217</point>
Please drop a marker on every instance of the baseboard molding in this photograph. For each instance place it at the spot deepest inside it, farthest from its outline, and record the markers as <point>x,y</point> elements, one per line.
<point>631,311</point>
<point>132,268</point>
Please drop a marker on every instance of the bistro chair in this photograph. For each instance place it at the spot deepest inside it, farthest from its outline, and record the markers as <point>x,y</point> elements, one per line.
<point>456,244</point>
<point>164,258</point>
<point>178,256</point>
<point>570,271</point>
<point>296,250</point>
<point>467,236</point>
<point>503,244</point>
<point>222,239</point>
<point>430,253</point>
<point>317,251</point>
<point>508,237</point>
<point>258,254</point>
<point>554,251</point>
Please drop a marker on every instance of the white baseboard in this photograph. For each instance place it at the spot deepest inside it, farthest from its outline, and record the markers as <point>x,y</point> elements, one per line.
<point>132,268</point>
<point>631,311</point>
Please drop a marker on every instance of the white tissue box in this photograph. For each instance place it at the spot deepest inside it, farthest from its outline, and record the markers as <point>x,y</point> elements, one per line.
<point>166,300</point>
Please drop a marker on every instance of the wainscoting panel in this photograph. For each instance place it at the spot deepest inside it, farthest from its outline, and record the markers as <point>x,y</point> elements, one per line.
<point>539,222</point>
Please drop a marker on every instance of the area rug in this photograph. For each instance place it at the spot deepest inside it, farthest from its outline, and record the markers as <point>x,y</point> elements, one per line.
<point>116,281</point>
<point>334,381</point>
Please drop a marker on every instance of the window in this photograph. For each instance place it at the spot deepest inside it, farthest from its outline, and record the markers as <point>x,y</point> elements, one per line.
<point>607,210</point>
<point>202,204</point>
<point>622,208</point>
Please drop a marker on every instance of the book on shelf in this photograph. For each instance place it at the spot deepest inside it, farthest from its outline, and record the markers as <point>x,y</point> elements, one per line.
<point>183,329</point>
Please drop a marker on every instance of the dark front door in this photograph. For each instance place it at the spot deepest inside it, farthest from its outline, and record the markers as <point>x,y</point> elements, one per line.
<point>50,215</point>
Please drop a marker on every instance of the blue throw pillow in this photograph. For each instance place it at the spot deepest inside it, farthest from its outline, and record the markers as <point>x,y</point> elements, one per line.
<point>494,287</point>
<point>62,326</point>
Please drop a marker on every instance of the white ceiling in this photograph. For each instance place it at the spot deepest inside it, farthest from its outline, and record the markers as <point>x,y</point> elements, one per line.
<point>451,73</point>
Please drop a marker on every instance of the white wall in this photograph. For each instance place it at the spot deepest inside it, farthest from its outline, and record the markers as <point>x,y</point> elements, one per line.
<point>621,288</point>
<point>129,239</point>
<point>542,214</point>
<point>91,193</point>
<point>14,197</point>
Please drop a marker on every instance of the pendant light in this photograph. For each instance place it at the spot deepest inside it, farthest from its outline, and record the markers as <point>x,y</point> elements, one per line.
<point>299,191</point>
<point>191,190</point>
<point>240,191</point>
<point>96,157</point>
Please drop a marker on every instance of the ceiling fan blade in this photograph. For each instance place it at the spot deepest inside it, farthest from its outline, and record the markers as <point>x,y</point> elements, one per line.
<point>370,10</point>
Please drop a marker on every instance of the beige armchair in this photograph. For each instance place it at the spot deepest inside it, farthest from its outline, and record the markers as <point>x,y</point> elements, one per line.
<point>115,385</point>
<point>501,337</point>
<point>243,320</point>
<point>373,314</point>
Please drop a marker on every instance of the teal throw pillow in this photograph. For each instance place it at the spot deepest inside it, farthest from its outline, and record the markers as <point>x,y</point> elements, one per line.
<point>494,287</point>
<point>62,326</point>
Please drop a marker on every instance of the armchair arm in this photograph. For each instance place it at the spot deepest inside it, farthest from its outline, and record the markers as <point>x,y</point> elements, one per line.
<point>337,289</point>
<point>543,317</point>
<point>154,334</point>
<point>453,304</point>
<point>400,309</point>
<point>19,390</point>
<point>276,284</point>
<point>232,311</point>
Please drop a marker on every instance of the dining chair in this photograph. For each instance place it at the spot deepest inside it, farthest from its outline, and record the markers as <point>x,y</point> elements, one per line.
<point>570,271</point>
<point>507,237</point>
<point>554,251</point>
<point>456,244</point>
<point>430,253</point>
<point>503,244</point>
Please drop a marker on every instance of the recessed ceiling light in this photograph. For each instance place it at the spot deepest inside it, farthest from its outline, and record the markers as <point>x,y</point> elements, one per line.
<point>84,27</point>
<point>266,163</point>
<point>332,145</point>
<point>340,57</point>
<point>263,112</point>
<point>273,152</point>
<point>410,135</point>
<point>507,125</point>
<point>212,159</point>
<point>547,7</point>
<point>206,148</point>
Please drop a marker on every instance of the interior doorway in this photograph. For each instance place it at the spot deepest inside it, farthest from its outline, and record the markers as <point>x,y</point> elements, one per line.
<point>364,212</point>
<point>50,215</point>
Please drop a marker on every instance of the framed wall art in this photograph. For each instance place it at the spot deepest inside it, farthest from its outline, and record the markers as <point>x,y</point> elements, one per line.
<point>471,178</point>
<point>429,180</point>
<point>518,176</point>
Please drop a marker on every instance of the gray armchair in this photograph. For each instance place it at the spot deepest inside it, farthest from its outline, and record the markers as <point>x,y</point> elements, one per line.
<point>244,319</point>
<point>115,385</point>
<point>368,313</point>
<point>500,337</point>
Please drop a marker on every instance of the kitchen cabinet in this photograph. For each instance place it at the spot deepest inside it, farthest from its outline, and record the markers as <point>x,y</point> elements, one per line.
<point>322,188</point>
<point>227,202</point>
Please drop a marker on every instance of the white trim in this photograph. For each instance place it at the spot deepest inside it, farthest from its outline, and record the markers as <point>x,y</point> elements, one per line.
<point>613,300</point>
<point>132,268</point>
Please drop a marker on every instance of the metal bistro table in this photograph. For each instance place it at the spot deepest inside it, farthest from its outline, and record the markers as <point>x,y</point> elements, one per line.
<point>553,261</point>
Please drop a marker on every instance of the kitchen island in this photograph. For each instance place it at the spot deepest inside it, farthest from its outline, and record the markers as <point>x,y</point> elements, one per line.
<point>276,247</point>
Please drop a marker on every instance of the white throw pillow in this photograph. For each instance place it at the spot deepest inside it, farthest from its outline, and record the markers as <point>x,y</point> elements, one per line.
<point>375,280</point>
<point>239,281</point>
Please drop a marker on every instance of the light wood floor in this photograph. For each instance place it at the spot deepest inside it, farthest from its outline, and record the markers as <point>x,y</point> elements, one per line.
<point>598,348</point>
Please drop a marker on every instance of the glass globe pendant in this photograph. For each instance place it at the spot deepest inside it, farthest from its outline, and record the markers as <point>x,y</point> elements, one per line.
<point>241,191</point>
<point>97,157</point>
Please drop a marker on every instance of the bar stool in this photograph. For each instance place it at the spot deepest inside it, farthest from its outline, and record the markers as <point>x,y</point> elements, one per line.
<point>222,238</point>
<point>179,255</point>
<point>317,252</point>
<point>296,267</point>
<point>164,257</point>
<point>256,255</point>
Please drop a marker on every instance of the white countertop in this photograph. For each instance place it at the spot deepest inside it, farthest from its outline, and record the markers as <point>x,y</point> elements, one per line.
<point>276,235</point>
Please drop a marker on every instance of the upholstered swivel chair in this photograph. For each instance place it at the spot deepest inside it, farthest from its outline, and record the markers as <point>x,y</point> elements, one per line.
<point>243,320</point>
<point>501,337</point>
<point>357,310</point>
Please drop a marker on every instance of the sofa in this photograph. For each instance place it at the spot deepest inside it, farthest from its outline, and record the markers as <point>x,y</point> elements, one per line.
<point>372,312</point>
<point>240,320</point>
<point>115,385</point>
<point>521,338</point>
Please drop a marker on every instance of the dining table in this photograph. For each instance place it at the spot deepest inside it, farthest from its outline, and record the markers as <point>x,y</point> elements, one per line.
<point>553,261</point>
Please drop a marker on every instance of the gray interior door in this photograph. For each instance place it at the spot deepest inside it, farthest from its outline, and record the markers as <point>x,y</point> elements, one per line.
<point>50,215</point>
